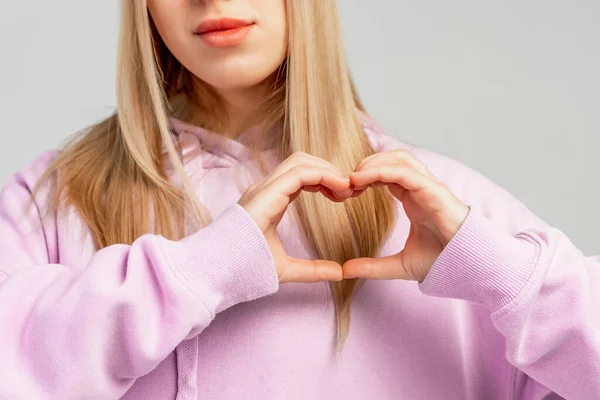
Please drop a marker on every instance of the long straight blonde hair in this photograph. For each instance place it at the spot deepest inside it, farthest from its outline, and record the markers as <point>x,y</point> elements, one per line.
<point>118,164</point>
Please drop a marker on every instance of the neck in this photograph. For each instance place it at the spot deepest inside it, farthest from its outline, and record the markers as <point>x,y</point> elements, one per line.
<point>243,106</point>
<point>243,109</point>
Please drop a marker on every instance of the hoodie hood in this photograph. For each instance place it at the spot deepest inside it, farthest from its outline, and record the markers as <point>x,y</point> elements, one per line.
<point>214,149</point>
<point>218,151</point>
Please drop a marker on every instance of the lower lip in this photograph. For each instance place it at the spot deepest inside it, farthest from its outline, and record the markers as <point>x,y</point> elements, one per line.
<point>226,38</point>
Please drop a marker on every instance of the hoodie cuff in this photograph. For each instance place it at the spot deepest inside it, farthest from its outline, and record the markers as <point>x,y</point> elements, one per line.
<point>482,264</point>
<point>226,263</point>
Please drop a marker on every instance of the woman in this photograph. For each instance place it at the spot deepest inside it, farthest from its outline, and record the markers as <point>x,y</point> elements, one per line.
<point>156,259</point>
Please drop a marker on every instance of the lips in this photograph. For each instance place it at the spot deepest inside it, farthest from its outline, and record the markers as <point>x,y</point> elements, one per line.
<point>222,24</point>
<point>224,32</point>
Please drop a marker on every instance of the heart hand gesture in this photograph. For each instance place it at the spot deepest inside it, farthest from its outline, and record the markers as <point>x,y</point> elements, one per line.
<point>435,214</point>
<point>267,200</point>
<point>434,211</point>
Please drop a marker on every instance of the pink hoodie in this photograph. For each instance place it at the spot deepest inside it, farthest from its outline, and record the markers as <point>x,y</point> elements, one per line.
<point>511,309</point>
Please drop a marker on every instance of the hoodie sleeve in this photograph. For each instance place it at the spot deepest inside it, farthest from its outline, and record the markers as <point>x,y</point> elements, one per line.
<point>542,292</point>
<point>88,331</point>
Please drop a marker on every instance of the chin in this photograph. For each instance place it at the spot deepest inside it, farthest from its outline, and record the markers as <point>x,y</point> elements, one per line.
<point>240,76</point>
<point>233,83</point>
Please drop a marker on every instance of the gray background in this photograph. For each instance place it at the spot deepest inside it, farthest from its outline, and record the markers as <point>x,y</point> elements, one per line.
<point>510,88</point>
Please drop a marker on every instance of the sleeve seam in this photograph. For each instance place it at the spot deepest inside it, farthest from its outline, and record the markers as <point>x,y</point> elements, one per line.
<point>175,272</point>
<point>507,308</point>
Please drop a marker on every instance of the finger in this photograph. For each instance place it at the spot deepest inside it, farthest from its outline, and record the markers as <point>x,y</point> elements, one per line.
<point>304,164</point>
<point>299,177</point>
<point>386,157</point>
<point>317,188</point>
<point>331,195</point>
<point>397,191</point>
<point>312,188</point>
<point>402,175</point>
<point>358,190</point>
<point>300,159</point>
<point>311,271</point>
<point>366,159</point>
<point>375,268</point>
<point>395,157</point>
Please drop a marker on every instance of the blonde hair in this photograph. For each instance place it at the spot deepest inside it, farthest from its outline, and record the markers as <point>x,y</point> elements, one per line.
<point>118,164</point>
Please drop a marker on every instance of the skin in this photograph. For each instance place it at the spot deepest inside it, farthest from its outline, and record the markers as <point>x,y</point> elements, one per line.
<point>241,75</point>
<point>435,215</point>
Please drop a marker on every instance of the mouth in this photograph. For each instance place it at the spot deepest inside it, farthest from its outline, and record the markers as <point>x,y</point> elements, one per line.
<point>224,32</point>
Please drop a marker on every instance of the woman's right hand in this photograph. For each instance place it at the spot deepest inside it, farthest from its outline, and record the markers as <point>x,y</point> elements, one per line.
<point>267,200</point>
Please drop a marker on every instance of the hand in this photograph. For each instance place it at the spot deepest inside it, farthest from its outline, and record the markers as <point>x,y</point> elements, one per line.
<point>435,214</point>
<point>267,200</point>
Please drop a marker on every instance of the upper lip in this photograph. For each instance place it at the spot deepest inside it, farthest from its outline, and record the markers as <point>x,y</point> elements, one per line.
<point>221,24</point>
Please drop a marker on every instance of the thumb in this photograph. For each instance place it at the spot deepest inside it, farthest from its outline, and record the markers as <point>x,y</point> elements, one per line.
<point>310,271</point>
<point>390,267</point>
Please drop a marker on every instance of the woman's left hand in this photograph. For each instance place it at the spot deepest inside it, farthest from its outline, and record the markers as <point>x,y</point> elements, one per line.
<point>435,214</point>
